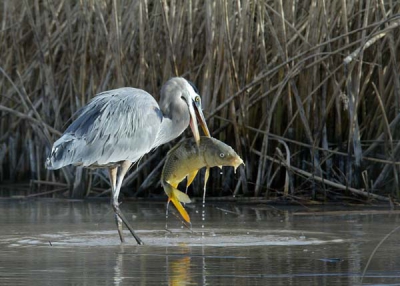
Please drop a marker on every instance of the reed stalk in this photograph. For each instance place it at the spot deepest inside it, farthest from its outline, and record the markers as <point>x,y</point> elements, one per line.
<point>320,78</point>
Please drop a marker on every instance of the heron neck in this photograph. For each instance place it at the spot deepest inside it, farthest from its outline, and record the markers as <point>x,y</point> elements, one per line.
<point>169,130</point>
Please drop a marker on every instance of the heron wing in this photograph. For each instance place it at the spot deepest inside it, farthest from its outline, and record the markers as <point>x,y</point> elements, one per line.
<point>117,125</point>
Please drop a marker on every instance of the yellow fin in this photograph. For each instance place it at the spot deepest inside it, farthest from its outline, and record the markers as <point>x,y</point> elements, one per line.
<point>180,209</point>
<point>191,177</point>
<point>176,196</point>
<point>180,196</point>
<point>173,184</point>
<point>206,176</point>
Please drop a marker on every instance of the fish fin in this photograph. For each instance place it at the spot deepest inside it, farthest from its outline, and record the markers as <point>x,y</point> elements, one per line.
<point>175,196</point>
<point>173,184</point>
<point>167,189</point>
<point>181,196</point>
<point>180,209</point>
<point>191,177</point>
<point>206,176</point>
<point>172,191</point>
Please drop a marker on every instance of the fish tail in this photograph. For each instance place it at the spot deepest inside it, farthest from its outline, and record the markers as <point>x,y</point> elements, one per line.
<point>180,209</point>
<point>176,197</point>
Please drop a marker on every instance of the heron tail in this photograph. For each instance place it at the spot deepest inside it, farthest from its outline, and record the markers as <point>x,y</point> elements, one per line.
<point>176,197</point>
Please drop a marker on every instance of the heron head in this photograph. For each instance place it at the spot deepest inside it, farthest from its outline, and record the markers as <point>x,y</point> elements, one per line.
<point>180,96</point>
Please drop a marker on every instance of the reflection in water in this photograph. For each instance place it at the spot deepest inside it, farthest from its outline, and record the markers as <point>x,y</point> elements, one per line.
<point>203,268</point>
<point>242,245</point>
<point>178,270</point>
<point>117,269</point>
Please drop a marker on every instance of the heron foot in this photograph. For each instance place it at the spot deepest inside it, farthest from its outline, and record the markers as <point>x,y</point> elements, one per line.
<point>120,218</point>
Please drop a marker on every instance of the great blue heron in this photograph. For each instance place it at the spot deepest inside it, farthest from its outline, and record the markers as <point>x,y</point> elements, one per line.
<point>119,126</point>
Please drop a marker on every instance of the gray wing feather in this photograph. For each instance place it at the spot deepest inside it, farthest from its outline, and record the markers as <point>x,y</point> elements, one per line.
<point>117,125</point>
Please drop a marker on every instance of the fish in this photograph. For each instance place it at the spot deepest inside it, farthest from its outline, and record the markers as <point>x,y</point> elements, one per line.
<point>186,158</point>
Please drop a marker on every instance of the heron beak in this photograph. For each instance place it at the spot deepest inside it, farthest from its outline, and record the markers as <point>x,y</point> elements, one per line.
<point>193,125</point>
<point>196,113</point>
<point>202,121</point>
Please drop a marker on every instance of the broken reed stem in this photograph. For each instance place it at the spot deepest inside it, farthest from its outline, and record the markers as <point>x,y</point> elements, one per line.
<point>373,39</point>
<point>375,250</point>
<point>64,189</point>
<point>325,181</point>
<point>332,151</point>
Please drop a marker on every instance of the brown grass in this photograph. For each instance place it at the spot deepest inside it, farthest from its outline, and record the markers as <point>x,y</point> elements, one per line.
<point>307,92</point>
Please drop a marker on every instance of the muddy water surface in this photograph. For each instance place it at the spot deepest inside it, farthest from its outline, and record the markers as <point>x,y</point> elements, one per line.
<point>73,243</point>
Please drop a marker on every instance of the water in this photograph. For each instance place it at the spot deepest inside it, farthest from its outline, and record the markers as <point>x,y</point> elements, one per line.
<point>73,243</point>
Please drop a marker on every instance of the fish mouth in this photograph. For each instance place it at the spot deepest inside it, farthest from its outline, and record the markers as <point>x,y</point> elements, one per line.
<point>237,161</point>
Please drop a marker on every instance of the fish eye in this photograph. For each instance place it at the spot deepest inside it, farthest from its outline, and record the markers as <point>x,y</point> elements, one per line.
<point>222,155</point>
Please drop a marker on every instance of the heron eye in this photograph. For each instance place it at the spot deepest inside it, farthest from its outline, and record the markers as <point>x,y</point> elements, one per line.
<point>222,155</point>
<point>197,99</point>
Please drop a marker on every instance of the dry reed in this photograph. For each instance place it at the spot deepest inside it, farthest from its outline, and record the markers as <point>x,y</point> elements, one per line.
<point>308,92</point>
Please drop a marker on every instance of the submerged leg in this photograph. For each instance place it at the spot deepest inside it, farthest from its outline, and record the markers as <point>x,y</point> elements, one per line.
<point>119,216</point>
<point>114,200</point>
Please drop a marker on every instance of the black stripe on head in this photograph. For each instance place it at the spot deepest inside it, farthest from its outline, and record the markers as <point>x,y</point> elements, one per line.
<point>194,87</point>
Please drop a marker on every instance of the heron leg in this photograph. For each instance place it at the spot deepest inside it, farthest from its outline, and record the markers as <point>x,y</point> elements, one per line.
<point>119,216</point>
<point>114,200</point>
